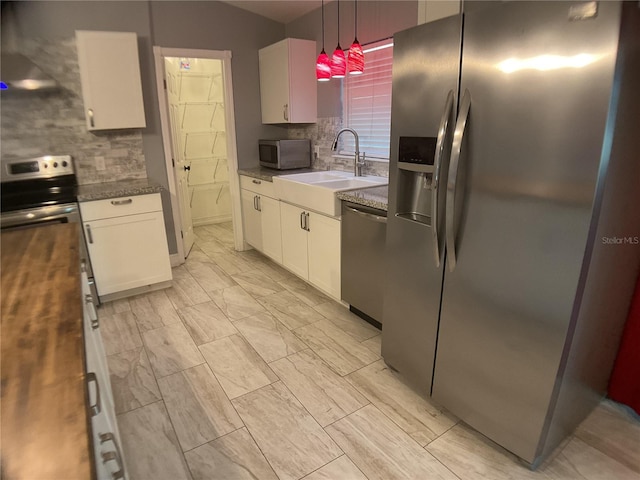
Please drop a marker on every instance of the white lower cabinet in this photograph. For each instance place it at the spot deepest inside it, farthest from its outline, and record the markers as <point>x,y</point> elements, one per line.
<point>109,461</point>
<point>295,252</point>
<point>261,218</point>
<point>323,242</point>
<point>311,247</point>
<point>127,242</point>
<point>251,219</point>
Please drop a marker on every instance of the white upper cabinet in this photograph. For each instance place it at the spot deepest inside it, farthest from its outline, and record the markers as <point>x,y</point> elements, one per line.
<point>110,78</point>
<point>288,89</point>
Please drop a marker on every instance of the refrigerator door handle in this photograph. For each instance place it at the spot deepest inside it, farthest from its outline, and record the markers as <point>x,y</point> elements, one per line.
<point>452,182</point>
<point>447,117</point>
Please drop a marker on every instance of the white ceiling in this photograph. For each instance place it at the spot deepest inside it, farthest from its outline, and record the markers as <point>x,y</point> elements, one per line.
<point>283,11</point>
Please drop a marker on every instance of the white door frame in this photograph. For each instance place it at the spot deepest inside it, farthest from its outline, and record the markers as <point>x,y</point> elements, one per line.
<point>159,54</point>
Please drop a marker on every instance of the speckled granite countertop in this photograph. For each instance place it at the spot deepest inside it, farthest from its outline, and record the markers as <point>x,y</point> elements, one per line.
<point>123,188</point>
<point>374,197</point>
<point>267,174</point>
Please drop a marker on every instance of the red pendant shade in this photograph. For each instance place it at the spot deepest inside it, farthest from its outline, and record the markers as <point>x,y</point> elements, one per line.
<point>337,66</point>
<point>356,59</point>
<point>338,63</point>
<point>323,67</point>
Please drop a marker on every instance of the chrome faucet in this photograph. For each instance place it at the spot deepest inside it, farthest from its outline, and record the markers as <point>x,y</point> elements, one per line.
<point>357,162</point>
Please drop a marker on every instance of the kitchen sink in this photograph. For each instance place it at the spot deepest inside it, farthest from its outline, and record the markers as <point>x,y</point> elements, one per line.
<point>314,177</point>
<point>317,190</point>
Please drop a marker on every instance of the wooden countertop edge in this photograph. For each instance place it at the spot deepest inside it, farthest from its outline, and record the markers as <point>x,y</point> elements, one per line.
<point>45,424</point>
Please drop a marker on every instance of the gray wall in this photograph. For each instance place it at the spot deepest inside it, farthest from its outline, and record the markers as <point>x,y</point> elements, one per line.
<point>218,26</point>
<point>376,20</point>
<point>203,25</point>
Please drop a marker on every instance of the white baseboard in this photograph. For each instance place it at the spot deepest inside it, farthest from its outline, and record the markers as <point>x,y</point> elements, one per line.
<point>176,260</point>
<point>211,220</point>
<point>135,291</point>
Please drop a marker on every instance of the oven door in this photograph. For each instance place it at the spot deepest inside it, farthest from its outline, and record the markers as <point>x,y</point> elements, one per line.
<point>63,213</point>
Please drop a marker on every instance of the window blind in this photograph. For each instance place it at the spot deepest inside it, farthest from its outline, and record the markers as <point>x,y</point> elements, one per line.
<point>367,102</point>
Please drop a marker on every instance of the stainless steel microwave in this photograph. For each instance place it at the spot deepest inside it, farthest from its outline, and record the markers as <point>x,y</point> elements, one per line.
<point>285,154</point>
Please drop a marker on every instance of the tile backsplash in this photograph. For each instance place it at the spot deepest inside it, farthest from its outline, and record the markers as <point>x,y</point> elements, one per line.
<point>35,124</point>
<point>322,134</point>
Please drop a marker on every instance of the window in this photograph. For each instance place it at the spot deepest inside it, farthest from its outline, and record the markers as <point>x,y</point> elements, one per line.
<point>367,102</point>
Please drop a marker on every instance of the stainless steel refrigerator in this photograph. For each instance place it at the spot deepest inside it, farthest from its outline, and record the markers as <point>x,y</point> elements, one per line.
<point>512,239</point>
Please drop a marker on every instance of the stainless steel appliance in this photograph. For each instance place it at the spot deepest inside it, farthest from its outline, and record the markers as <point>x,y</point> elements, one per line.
<point>363,232</point>
<point>514,143</point>
<point>285,154</point>
<point>39,191</point>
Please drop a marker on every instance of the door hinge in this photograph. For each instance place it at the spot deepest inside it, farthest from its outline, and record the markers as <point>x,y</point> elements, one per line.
<point>164,82</point>
<point>181,234</point>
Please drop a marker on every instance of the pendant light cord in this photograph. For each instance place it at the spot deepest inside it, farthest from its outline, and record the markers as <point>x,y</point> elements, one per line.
<point>355,20</point>
<point>338,22</point>
<point>323,25</point>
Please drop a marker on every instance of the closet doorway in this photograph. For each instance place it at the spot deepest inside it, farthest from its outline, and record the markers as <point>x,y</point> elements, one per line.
<point>198,132</point>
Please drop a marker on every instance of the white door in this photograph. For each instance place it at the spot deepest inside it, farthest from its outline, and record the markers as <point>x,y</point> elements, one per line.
<point>182,172</point>
<point>271,233</point>
<point>324,253</point>
<point>251,219</point>
<point>294,240</point>
<point>195,93</point>
<point>128,252</point>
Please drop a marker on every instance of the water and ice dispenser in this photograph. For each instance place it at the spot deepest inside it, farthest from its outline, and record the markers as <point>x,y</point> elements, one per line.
<point>415,178</point>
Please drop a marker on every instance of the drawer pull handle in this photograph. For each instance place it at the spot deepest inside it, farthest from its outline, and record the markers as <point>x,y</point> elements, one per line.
<point>112,455</point>
<point>95,408</point>
<point>122,202</point>
<point>257,182</point>
<point>91,121</point>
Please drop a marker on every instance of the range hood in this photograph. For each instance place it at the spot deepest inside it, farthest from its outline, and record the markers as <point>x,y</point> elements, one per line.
<point>18,73</point>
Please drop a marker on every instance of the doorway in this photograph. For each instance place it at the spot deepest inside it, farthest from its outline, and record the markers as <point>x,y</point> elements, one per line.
<point>199,138</point>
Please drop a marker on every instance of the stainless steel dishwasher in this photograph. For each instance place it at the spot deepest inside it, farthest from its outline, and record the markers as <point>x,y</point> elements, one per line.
<point>364,230</point>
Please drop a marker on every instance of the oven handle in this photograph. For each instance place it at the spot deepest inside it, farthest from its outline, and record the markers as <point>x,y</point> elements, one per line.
<point>40,215</point>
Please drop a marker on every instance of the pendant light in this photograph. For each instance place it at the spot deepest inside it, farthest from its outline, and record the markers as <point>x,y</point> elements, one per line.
<point>323,64</point>
<point>338,61</point>
<point>356,55</point>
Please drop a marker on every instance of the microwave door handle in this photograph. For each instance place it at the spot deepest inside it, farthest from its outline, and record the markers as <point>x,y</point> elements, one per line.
<point>438,170</point>
<point>452,181</point>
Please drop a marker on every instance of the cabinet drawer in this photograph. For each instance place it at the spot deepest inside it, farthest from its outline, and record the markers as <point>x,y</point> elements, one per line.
<point>258,186</point>
<point>117,207</point>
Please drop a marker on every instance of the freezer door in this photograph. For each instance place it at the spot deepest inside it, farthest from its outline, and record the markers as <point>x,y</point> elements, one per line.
<point>537,82</point>
<point>425,79</point>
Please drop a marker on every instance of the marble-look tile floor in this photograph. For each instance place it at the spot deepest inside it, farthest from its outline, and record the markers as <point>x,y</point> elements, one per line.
<point>242,371</point>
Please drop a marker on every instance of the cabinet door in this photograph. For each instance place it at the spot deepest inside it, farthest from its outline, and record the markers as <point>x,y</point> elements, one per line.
<point>94,347</point>
<point>274,82</point>
<point>107,448</point>
<point>110,79</point>
<point>251,219</point>
<point>303,86</point>
<point>324,253</point>
<point>271,232</point>
<point>128,252</point>
<point>294,240</point>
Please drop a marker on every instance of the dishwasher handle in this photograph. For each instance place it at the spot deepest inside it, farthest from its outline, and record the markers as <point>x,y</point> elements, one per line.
<point>370,216</point>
